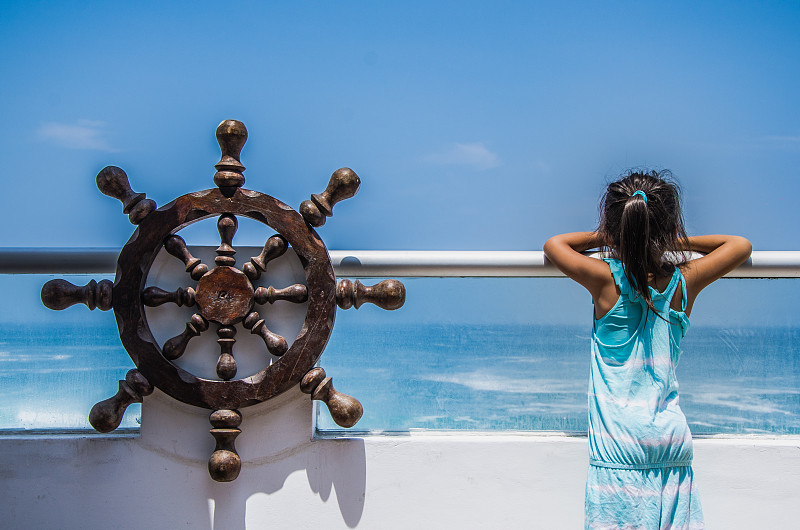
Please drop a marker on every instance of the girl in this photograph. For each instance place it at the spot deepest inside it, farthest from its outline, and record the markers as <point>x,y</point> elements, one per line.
<point>640,447</point>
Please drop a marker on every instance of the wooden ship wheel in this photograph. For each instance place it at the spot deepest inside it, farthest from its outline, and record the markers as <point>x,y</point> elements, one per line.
<point>224,296</point>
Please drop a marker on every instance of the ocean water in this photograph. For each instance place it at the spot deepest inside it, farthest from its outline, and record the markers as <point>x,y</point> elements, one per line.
<point>434,376</point>
<point>514,377</point>
<point>51,376</point>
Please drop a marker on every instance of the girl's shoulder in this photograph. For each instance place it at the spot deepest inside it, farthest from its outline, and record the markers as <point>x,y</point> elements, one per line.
<point>617,270</point>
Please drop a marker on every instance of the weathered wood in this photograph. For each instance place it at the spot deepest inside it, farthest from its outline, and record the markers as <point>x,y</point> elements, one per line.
<point>274,248</point>
<point>176,346</point>
<point>225,463</point>
<point>175,245</point>
<point>276,344</point>
<point>113,181</point>
<point>343,184</point>
<point>155,296</point>
<point>224,295</point>
<point>231,136</point>
<point>106,415</point>
<point>388,294</point>
<point>312,379</point>
<point>226,365</point>
<point>297,293</point>
<point>226,225</point>
<point>345,410</point>
<point>60,294</point>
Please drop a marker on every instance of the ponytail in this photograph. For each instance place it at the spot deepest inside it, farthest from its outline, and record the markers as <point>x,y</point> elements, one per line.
<point>634,251</point>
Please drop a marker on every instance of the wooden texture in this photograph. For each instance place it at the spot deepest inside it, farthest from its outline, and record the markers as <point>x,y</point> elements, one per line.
<point>176,246</point>
<point>175,346</point>
<point>226,365</point>
<point>296,293</point>
<point>107,415</point>
<point>113,181</point>
<point>312,379</point>
<point>343,184</point>
<point>231,136</point>
<point>59,294</point>
<point>225,463</point>
<point>345,410</point>
<point>154,296</point>
<point>224,295</point>
<point>274,248</point>
<point>275,344</point>
<point>388,294</point>
<point>226,225</point>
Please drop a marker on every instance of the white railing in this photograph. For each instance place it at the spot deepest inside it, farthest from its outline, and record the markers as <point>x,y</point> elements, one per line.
<point>378,263</point>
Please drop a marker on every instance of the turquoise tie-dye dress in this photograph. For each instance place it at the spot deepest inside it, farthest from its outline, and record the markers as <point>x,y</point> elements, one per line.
<point>640,447</point>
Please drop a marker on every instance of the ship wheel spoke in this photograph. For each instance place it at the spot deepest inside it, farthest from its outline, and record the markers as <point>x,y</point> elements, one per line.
<point>155,296</point>
<point>297,294</point>
<point>176,246</point>
<point>226,365</point>
<point>175,346</point>
<point>274,248</point>
<point>226,225</point>
<point>276,344</point>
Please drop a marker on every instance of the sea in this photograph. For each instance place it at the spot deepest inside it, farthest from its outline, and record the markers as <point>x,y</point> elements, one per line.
<point>434,376</point>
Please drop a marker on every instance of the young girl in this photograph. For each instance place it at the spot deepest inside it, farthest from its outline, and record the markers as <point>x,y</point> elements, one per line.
<point>640,447</point>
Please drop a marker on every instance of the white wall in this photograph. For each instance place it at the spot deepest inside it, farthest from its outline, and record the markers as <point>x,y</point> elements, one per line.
<point>487,481</point>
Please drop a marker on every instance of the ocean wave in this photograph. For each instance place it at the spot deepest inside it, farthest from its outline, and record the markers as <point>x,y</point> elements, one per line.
<point>555,409</point>
<point>16,357</point>
<point>485,382</point>
<point>737,402</point>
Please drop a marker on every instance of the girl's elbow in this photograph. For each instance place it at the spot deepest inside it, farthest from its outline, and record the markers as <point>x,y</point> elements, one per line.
<point>549,246</point>
<point>743,246</point>
<point>748,248</point>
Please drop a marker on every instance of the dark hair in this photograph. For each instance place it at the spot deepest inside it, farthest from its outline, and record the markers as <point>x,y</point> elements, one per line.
<point>640,232</point>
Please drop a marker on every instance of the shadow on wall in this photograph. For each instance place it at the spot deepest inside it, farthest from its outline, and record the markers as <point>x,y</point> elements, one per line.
<point>271,492</point>
<point>160,479</point>
<point>275,446</point>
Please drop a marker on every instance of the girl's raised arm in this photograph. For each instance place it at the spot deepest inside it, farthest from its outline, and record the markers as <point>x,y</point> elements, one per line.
<point>564,251</point>
<point>723,254</point>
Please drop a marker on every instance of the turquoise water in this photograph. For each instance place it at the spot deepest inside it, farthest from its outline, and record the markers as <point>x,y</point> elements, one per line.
<point>50,376</point>
<point>535,378</point>
<point>435,376</point>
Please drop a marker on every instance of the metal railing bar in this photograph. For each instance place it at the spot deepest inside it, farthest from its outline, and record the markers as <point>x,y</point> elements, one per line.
<point>379,263</point>
<point>69,260</point>
<point>530,264</point>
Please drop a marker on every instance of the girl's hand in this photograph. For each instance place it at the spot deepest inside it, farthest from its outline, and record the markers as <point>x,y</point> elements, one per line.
<point>564,251</point>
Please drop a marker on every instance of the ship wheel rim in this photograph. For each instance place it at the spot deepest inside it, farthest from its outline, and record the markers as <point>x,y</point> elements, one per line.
<point>133,266</point>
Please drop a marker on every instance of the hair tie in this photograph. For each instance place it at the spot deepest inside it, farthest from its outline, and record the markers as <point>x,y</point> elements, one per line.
<point>641,194</point>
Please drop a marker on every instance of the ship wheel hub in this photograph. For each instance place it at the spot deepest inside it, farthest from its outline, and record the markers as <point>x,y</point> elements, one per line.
<point>224,295</point>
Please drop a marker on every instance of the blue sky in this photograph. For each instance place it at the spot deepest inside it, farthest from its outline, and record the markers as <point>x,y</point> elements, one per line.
<point>473,125</point>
